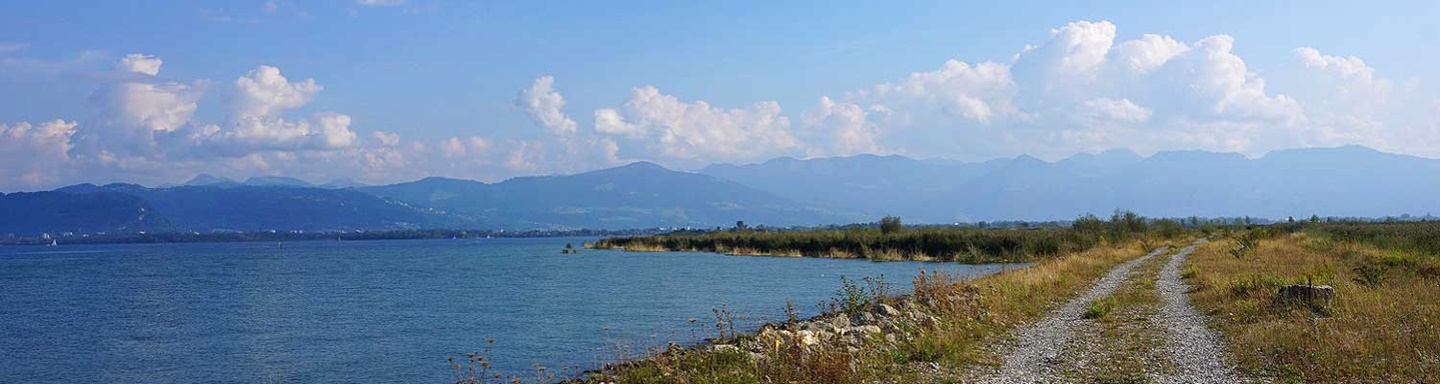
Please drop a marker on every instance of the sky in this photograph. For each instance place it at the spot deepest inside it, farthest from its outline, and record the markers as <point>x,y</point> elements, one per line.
<point>381,91</point>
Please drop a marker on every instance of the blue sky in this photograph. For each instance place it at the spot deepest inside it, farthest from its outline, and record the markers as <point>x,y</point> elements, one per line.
<point>453,88</point>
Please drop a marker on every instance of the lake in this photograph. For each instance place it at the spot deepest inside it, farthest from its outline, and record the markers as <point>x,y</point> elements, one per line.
<point>378,311</point>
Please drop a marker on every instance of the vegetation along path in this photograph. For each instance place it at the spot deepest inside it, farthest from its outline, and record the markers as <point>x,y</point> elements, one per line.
<point>1035,353</point>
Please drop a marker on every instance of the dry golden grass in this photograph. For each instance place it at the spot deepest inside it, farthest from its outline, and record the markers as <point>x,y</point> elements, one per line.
<point>1383,326</point>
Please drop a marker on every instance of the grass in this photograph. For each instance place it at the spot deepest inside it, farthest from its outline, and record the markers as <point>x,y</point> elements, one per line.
<point>968,316</point>
<point>1100,307</point>
<point>1383,325</point>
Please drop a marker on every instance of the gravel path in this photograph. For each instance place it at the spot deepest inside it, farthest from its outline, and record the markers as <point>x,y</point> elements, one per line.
<point>1197,351</point>
<point>1037,347</point>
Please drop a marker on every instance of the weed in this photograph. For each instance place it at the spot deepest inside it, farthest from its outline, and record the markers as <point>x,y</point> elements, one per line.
<point>1244,244</point>
<point>1099,308</point>
<point>850,298</point>
<point>1370,274</point>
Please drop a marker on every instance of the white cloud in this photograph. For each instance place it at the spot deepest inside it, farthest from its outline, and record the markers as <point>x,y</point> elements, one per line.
<point>163,106</point>
<point>138,63</point>
<point>1079,91</point>
<point>661,126</point>
<point>35,155</point>
<point>1146,54</point>
<point>257,122</point>
<point>543,103</point>
<point>145,102</point>
<point>1348,67</point>
<point>1345,101</point>
<point>387,139</point>
<point>1123,110</point>
<point>264,92</point>
<point>456,147</point>
<point>134,108</point>
<point>843,125</point>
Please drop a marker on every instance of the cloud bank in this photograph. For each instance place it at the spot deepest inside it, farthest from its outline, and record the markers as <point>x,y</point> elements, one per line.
<point>1081,90</point>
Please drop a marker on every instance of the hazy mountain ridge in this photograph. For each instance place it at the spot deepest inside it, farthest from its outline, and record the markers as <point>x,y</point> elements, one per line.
<point>1342,181</point>
<point>639,195</point>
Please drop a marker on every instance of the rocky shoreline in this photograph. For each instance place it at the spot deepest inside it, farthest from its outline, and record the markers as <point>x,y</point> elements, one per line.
<point>886,323</point>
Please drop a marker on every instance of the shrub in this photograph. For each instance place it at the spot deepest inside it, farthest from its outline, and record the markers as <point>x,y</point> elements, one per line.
<point>1370,274</point>
<point>890,224</point>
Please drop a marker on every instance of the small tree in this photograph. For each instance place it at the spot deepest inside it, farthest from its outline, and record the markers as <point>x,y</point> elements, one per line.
<point>740,225</point>
<point>890,224</point>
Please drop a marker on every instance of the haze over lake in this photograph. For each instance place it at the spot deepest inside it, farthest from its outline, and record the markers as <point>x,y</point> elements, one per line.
<point>377,311</point>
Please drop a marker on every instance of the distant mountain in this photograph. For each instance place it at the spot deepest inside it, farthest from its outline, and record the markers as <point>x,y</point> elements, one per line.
<point>867,184</point>
<point>277,181</point>
<point>342,183</point>
<point>638,195</point>
<point>207,179</point>
<point>1343,181</point>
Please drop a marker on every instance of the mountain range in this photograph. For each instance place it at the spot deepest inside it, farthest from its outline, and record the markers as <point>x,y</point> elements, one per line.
<point>1343,181</point>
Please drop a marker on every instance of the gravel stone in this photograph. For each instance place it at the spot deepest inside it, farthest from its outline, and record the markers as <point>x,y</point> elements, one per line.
<point>1034,357</point>
<point>1197,351</point>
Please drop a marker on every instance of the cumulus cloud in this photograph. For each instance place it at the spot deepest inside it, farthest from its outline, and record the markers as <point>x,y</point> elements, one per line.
<point>1345,101</point>
<point>153,106</point>
<point>257,122</point>
<point>543,103</point>
<point>264,92</point>
<point>844,125</point>
<point>1081,90</point>
<point>456,147</point>
<point>662,126</point>
<point>1123,110</point>
<point>134,107</point>
<point>34,155</point>
<point>138,63</point>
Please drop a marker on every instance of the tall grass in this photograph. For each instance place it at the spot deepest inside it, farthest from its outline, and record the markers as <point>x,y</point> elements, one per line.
<point>1382,326</point>
<point>967,245</point>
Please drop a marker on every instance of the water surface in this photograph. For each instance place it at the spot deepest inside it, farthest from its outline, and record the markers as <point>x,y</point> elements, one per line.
<point>376,311</point>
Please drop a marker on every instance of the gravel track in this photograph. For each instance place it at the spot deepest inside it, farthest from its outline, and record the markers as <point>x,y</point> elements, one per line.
<point>1035,352</point>
<point>1197,351</point>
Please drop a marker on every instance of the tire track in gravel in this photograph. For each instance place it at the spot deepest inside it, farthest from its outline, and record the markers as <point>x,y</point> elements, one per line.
<point>1198,352</point>
<point>1034,354</point>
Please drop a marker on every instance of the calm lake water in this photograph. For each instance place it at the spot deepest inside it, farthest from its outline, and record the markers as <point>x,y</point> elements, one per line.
<point>376,311</point>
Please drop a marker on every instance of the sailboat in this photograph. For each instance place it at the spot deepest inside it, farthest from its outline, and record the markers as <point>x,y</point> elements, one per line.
<point>54,242</point>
